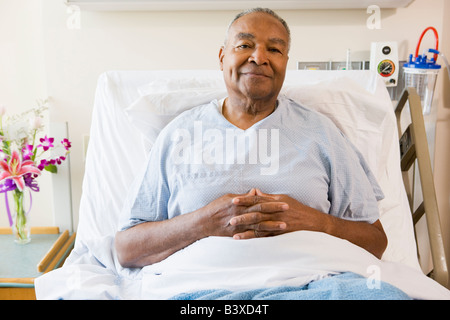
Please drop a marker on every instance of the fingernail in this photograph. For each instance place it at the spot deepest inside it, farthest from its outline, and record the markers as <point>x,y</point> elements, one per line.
<point>282,226</point>
<point>233,222</point>
<point>284,206</point>
<point>236,237</point>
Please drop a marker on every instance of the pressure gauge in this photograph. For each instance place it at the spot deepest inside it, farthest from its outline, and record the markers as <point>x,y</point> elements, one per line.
<point>384,61</point>
<point>386,68</point>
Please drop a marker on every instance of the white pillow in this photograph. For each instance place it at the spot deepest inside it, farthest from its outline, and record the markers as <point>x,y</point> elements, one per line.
<point>161,101</point>
<point>355,111</point>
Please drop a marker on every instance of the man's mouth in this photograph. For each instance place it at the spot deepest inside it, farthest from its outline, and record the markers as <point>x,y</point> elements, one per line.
<point>256,74</point>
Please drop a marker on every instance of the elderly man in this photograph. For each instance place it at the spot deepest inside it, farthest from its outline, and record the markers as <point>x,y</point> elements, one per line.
<point>258,165</point>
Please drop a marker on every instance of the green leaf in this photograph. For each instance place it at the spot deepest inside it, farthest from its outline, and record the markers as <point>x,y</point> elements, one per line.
<point>51,168</point>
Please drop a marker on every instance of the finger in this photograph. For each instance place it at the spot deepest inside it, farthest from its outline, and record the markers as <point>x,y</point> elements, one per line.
<point>258,192</point>
<point>270,226</point>
<point>268,207</point>
<point>249,200</point>
<point>262,230</point>
<point>248,219</point>
<point>249,234</point>
<point>257,221</point>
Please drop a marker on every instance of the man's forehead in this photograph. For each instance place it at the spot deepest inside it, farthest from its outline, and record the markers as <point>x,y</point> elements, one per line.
<point>244,28</point>
<point>255,17</point>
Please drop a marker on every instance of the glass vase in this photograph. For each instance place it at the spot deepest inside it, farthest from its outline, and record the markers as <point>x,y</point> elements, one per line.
<point>20,227</point>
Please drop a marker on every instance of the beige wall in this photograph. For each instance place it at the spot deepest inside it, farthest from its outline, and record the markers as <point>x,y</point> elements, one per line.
<point>40,56</point>
<point>22,80</point>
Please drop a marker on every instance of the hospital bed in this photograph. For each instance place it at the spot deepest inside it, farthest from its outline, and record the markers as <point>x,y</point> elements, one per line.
<point>130,109</point>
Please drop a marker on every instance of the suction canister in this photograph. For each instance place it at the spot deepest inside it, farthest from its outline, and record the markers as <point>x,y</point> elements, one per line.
<point>421,73</point>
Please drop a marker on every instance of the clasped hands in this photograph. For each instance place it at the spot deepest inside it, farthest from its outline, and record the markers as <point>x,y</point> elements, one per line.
<point>257,214</point>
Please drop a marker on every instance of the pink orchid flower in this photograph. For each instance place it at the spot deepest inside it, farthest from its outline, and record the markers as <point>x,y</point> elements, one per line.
<point>47,143</point>
<point>66,143</point>
<point>16,169</point>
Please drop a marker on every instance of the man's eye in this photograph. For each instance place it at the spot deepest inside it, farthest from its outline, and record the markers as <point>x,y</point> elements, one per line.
<point>243,46</point>
<point>275,50</point>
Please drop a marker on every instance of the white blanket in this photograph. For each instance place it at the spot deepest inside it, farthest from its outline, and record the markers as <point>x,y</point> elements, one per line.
<point>292,259</point>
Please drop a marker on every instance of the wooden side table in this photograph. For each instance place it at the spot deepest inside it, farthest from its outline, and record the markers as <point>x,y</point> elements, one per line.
<point>21,264</point>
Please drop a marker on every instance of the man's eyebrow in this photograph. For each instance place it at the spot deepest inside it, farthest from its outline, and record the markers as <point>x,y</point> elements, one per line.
<point>244,36</point>
<point>278,41</point>
<point>249,36</point>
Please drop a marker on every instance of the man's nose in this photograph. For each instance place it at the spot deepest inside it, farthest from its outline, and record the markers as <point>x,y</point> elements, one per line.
<point>259,56</point>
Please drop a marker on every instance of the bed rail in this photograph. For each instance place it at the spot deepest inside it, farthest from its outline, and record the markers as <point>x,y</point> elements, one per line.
<point>414,146</point>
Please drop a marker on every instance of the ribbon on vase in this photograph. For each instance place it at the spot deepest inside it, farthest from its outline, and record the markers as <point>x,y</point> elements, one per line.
<point>10,186</point>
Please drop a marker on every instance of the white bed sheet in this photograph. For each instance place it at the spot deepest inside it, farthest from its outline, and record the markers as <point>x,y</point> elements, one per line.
<point>293,259</point>
<point>119,145</point>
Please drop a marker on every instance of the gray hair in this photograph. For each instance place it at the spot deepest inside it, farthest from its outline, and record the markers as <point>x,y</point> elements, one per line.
<point>263,10</point>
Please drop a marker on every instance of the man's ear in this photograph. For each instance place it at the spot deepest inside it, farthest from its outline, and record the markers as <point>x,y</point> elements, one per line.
<point>221,55</point>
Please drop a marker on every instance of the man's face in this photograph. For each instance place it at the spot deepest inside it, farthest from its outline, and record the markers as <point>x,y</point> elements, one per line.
<point>255,57</point>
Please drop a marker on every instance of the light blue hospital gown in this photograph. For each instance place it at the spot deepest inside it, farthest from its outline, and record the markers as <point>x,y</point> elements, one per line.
<point>200,156</point>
